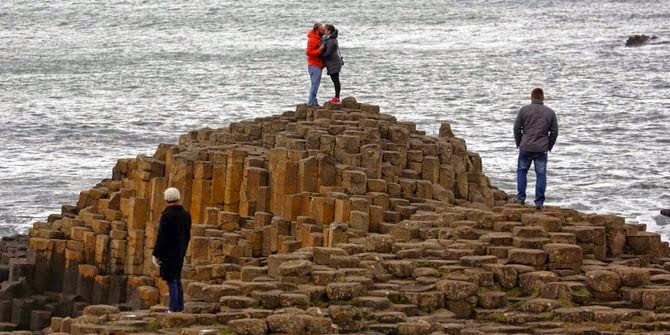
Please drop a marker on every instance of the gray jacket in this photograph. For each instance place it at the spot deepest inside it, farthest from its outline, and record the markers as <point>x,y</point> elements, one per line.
<point>535,128</point>
<point>331,54</point>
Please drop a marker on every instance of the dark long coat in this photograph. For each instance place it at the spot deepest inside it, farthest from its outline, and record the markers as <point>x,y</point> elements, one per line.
<point>174,234</point>
<point>331,54</point>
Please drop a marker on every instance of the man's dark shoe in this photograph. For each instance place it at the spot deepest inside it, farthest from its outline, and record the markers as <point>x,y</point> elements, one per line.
<point>539,207</point>
<point>519,202</point>
<point>665,212</point>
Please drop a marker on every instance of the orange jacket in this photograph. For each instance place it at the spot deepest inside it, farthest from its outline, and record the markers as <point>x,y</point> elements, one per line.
<point>313,52</point>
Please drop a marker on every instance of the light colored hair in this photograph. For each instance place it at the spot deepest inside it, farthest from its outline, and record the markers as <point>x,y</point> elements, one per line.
<point>171,195</point>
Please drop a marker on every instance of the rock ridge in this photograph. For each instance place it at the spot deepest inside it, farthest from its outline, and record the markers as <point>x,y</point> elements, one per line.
<point>337,219</point>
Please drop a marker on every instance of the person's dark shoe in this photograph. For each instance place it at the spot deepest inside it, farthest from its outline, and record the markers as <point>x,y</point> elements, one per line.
<point>665,212</point>
<point>539,207</point>
<point>519,202</point>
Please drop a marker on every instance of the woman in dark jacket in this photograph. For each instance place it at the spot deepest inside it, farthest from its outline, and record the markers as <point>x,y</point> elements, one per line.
<point>332,59</point>
<point>174,234</point>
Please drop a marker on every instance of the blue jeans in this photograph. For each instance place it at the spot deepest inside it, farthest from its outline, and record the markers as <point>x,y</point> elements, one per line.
<point>176,295</point>
<point>539,159</point>
<point>315,78</point>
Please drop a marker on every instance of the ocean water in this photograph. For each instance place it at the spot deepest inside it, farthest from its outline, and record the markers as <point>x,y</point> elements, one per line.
<point>85,82</point>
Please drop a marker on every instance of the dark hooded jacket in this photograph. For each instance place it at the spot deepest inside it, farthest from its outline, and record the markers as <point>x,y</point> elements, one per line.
<point>174,234</point>
<point>331,54</point>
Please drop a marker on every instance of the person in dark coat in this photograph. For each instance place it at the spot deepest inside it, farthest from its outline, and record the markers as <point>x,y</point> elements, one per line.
<point>535,133</point>
<point>174,234</point>
<point>332,59</point>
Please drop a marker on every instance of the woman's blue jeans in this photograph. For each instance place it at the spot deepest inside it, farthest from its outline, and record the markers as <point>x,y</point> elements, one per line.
<point>176,295</point>
<point>539,159</point>
<point>315,79</point>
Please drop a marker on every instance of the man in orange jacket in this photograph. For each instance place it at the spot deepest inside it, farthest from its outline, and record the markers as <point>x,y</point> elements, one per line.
<point>314,61</point>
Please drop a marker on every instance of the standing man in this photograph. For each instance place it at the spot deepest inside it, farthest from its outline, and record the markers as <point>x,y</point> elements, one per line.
<point>174,233</point>
<point>535,132</point>
<point>314,61</point>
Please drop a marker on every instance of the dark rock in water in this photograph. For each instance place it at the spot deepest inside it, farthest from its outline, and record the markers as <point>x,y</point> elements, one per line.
<point>637,40</point>
<point>662,220</point>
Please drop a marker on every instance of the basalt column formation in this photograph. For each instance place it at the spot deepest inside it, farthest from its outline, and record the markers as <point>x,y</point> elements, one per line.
<point>333,219</point>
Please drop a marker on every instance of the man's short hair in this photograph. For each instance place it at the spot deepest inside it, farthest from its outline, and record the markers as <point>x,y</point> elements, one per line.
<point>171,195</point>
<point>537,94</point>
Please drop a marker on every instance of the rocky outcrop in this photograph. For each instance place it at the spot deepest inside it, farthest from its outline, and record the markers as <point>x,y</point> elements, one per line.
<point>638,40</point>
<point>334,219</point>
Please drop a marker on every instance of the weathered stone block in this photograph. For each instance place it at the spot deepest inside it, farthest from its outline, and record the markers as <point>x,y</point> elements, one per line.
<point>249,326</point>
<point>200,200</point>
<point>323,209</point>
<point>344,291</point>
<point>202,170</point>
<point>286,323</point>
<point>378,243</point>
<point>355,182</point>
<point>360,221</point>
<point>603,281</point>
<point>655,297</point>
<point>322,256</point>
<point>198,248</point>
<point>549,223</point>
<point>234,175</point>
<point>492,300</point>
<point>531,283</point>
<point>219,170</point>
<point>564,256</point>
<point>297,268</point>
<point>138,213</point>
<point>456,290</point>
<point>532,257</point>
<point>275,261</point>
<point>100,310</point>
<point>238,302</point>
<point>631,276</point>
<point>615,233</point>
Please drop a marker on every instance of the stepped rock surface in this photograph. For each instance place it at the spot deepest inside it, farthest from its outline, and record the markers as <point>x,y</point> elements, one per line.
<point>331,220</point>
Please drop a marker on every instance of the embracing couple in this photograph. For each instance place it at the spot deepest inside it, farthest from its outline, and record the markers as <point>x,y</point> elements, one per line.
<point>323,50</point>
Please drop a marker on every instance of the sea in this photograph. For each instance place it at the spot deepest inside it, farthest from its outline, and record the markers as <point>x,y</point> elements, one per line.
<point>86,82</point>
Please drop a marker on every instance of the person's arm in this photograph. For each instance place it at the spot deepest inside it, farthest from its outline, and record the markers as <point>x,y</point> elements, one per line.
<point>330,49</point>
<point>159,247</point>
<point>187,232</point>
<point>313,49</point>
<point>518,128</point>
<point>553,133</point>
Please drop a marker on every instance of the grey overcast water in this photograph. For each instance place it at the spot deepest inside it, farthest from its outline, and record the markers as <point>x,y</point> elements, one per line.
<point>83,83</point>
